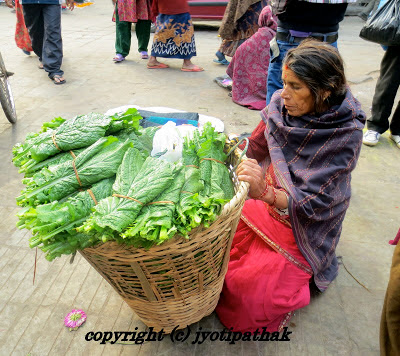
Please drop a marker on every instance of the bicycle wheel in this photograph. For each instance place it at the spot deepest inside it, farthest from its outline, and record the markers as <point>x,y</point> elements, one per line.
<point>6,97</point>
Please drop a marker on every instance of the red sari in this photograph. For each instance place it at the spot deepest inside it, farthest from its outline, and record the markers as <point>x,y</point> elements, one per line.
<point>268,277</point>
<point>22,38</point>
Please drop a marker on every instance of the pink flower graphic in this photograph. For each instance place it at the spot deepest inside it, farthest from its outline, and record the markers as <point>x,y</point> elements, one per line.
<point>75,319</point>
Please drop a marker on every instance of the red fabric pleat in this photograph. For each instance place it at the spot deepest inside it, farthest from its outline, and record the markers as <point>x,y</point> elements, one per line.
<point>266,281</point>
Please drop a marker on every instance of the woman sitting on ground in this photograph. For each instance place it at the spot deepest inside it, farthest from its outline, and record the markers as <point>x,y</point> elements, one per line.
<point>301,156</point>
<point>249,66</point>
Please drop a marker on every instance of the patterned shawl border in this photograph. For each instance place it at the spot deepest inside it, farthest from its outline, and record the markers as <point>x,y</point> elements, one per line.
<point>277,248</point>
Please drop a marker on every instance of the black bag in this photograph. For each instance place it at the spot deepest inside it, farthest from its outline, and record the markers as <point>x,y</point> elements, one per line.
<point>383,26</point>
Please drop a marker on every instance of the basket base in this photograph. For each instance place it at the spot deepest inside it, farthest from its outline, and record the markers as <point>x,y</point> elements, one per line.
<point>179,313</point>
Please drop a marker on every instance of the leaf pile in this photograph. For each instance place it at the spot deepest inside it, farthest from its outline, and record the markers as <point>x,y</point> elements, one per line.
<point>110,188</point>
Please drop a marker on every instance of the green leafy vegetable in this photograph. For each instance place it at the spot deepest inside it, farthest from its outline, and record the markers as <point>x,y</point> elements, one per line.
<point>98,161</point>
<point>116,213</point>
<point>81,131</point>
<point>154,224</point>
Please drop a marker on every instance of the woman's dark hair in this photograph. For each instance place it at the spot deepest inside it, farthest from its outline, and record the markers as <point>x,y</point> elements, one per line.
<point>320,66</point>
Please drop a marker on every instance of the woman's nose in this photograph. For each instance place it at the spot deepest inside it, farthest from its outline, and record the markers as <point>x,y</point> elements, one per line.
<point>284,93</point>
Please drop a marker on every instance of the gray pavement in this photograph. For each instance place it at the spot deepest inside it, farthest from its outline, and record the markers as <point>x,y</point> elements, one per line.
<point>342,321</point>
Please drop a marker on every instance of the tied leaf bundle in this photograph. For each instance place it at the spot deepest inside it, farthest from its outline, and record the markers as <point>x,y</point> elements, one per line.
<point>31,166</point>
<point>98,161</point>
<point>48,220</point>
<point>154,224</point>
<point>213,172</point>
<point>142,138</point>
<point>134,187</point>
<point>208,184</point>
<point>81,131</point>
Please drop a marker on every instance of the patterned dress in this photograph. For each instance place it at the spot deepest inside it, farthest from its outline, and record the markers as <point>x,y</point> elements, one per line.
<point>134,10</point>
<point>174,37</point>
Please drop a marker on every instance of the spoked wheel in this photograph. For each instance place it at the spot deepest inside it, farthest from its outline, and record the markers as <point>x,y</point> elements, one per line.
<point>6,97</point>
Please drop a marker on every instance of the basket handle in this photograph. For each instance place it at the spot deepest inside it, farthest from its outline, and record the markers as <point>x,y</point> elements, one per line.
<point>144,282</point>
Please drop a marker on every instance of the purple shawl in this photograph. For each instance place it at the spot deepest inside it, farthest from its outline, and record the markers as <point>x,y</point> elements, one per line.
<point>313,157</point>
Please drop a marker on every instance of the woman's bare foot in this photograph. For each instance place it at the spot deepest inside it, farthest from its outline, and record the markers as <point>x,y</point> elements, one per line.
<point>154,64</point>
<point>188,66</point>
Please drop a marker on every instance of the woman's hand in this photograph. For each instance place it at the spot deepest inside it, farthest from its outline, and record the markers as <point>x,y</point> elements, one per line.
<point>249,171</point>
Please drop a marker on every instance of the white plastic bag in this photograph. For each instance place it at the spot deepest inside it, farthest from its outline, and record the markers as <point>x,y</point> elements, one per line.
<point>169,138</point>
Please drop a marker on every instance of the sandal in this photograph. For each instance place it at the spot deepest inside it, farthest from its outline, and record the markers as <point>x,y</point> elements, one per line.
<point>221,61</point>
<point>58,79</point>
<point>144,55</point>
<point>118,58</point>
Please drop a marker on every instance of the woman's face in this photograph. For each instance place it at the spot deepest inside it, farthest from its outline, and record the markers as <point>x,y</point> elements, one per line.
<point>296,95</point>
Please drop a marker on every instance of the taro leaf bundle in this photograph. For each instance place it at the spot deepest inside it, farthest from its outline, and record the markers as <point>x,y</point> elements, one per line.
<point>48,220</point>
<point>81,131</point>
<point>154,224</point>
<point>99,161</point>
<point>114,214</point>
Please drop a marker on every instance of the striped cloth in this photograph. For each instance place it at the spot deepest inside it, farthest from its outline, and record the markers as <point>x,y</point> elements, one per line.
<point>312,159</point>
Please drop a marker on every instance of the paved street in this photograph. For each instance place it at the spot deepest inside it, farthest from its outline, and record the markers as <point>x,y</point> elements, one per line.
<point>342,321</point>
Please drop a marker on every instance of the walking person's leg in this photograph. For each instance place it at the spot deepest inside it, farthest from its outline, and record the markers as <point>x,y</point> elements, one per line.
<point>33,16</point>
<point>122,37</point>
<point>52,44</point>
<point>142,30</point>
<point>395,126</point>
<point>385,91</point>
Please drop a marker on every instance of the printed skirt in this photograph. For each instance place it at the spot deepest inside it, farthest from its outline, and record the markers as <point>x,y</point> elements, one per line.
<point>174,37</point>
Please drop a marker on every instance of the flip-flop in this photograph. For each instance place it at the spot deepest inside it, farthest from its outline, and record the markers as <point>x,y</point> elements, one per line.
<point>144,55</point>
<point>118,58</point>
<point>158,66</point>
<point>194,69</point>
<point>40,65</point>
<point>58,77</point>
<point>223,61</point>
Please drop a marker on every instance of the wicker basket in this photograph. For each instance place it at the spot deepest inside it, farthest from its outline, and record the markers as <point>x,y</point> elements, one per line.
<point>179,282</point>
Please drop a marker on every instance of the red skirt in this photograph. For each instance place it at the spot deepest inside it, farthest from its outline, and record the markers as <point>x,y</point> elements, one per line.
<point>268,277</point>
